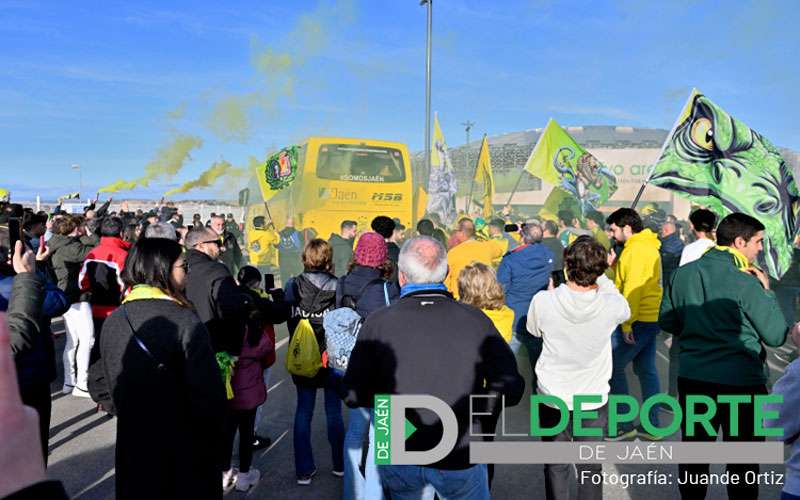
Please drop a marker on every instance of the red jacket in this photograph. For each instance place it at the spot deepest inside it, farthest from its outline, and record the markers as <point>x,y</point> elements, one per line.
<point>101,275</point>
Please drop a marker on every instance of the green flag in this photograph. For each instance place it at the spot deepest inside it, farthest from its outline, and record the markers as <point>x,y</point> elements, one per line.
<point>717,161</point>
<point>559,160</point>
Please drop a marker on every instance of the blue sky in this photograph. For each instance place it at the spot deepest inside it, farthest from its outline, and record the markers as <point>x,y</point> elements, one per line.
<point>95,83</point>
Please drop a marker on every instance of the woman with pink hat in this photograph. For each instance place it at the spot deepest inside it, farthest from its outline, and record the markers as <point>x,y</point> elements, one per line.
<point>365,288</point>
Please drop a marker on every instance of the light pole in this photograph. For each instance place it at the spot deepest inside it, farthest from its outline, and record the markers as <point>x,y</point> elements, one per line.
<point>467,127</point>
<point>428,91</point>
<point>77,167</point>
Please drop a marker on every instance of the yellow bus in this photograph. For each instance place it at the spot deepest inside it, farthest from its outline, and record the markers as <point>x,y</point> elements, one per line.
<point>339,179</point>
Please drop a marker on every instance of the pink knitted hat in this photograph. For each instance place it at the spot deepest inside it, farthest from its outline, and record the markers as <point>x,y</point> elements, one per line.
<point>371,250</point>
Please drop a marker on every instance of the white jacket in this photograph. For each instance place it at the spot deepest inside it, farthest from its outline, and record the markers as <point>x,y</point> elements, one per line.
<point>576,329</point>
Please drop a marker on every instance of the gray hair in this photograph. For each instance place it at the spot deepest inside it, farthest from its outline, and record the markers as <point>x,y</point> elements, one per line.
<point>161,230</point>
<point>423,260</point>
<point>532,233</point>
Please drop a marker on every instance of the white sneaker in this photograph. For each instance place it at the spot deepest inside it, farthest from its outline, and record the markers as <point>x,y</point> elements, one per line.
<point>229,478</point>
<point>80,393</point>
<point>67,389</point>
<point>338,473</point>
<point>247,480</point>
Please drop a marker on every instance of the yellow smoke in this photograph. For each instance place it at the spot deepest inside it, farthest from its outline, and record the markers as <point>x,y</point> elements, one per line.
<point>231,117</point>
<point>178,113</point>
<point>209,177</point>
<point>120,185</point>
<point>229,120</point>
<point>168,161</point>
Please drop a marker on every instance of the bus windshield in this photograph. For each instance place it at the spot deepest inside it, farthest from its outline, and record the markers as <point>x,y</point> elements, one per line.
<point>357,163</point>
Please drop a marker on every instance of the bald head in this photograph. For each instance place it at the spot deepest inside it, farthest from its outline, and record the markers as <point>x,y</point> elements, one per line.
<point>197,235</point>
<point>422,260</point>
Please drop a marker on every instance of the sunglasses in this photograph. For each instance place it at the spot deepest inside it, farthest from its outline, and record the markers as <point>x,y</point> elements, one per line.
<point>216,242</point>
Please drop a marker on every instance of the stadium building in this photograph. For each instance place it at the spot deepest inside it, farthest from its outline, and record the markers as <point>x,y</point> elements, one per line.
<point>628,151</point>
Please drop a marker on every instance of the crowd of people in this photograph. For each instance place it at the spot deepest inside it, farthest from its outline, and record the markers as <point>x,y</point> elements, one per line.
<point>166,315</point>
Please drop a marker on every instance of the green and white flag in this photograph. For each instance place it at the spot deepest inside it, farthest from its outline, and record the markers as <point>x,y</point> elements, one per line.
<point>718,162</point>
<point>559,160</point>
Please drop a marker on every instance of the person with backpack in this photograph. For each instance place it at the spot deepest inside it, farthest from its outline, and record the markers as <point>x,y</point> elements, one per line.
<point>364,289</point>
<point>312,294</point>
<point>101,285</point>
<point>248,381</point>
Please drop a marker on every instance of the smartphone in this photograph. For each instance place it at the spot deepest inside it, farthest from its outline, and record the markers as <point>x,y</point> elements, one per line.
<point>269,282</point>
<point>15,233</point>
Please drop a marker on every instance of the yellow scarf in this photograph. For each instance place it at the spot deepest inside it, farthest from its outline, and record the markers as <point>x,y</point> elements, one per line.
<point>740,260</point>
<point>144,292</point>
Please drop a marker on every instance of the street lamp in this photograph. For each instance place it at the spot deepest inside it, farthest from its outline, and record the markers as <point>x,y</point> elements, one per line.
<point>428,91</point>
<point>77,167</point>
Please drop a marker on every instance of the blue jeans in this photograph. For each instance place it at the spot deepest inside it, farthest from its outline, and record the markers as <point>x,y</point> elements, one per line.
<point>414,482</point>
<point>356,485</point>
<point>533,347</point>
<point>260,409</point>
<point>643,355</point>
<point>303,455</point>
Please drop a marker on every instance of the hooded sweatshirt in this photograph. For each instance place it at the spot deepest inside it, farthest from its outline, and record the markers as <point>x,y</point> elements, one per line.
<point>638,277</point>
<point>503,320</point>
<point>576,329</point>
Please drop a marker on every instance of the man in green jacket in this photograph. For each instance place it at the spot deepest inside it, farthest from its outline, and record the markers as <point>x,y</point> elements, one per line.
<point>723,311</point>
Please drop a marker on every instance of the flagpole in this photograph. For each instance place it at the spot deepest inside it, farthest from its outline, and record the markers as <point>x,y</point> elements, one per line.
<point>663,148</point>
<point>516,186</point>
<point>472,182</point>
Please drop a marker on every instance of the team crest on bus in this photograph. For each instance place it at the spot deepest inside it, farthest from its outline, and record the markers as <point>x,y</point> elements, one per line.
<point>281,168</point>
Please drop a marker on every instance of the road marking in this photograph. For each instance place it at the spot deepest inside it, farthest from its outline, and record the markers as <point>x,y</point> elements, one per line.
<point>275,442</point>
<point>281,343</point>
<point>662,356</point>
<point>102,478</point>
<point>275,386</point>
<point>774,366</point>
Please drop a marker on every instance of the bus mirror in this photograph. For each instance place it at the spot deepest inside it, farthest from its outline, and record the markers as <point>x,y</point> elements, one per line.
<point>244,197</point>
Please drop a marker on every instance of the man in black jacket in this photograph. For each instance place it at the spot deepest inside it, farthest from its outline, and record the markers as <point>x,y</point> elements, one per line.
<point>231,254</point>
<point>414,345</point>
<point>218,302</point>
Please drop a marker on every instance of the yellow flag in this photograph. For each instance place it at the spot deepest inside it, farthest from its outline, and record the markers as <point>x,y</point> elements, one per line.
<point>4,194</point>
<point>483,174</point>
<point>422,203</point>
<point>439,147</point>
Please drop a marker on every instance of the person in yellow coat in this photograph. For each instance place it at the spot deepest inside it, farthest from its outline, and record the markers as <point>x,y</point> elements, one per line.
<point>478,287</point>
<point>261,239</point>
<point>468,252</point>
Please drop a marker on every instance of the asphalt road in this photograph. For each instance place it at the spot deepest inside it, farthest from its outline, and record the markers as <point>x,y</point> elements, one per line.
<point>82,448</point>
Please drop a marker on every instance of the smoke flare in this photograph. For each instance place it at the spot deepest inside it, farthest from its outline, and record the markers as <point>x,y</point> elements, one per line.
<point>209,177</point>
<point>168,161</point>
